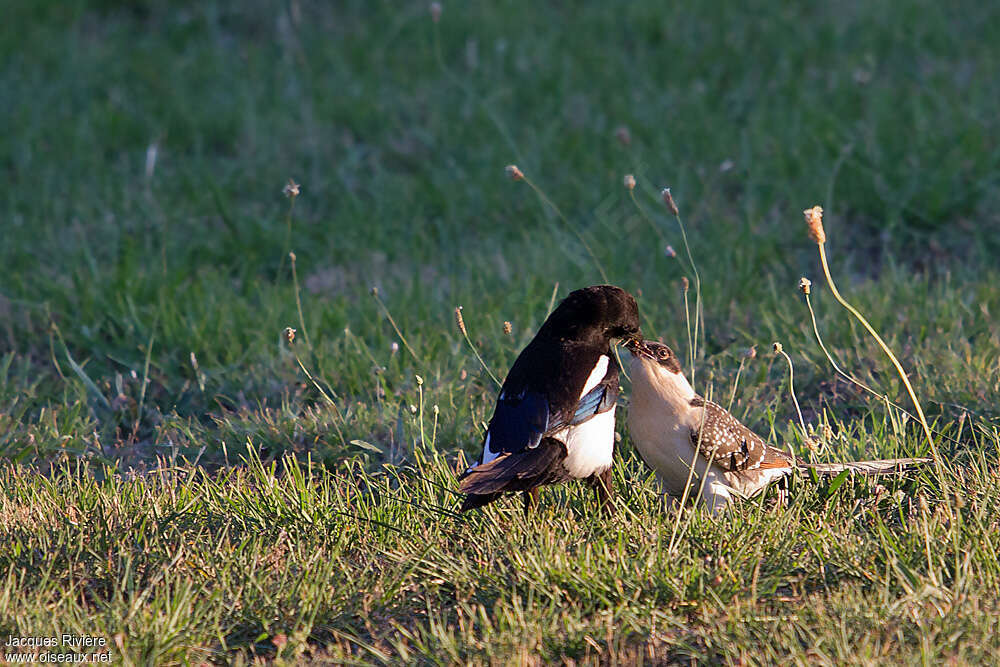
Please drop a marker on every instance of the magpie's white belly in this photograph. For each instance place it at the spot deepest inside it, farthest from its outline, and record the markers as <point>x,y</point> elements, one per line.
<point>589,446</point>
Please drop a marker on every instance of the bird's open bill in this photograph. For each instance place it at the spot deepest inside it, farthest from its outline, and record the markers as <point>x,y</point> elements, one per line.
<point>638,346</point>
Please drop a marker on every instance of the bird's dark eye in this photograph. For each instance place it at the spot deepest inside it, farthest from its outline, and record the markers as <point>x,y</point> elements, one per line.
<point>661,353</point>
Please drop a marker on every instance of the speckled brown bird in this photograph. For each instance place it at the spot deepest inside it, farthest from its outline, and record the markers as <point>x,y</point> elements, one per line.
<point>673,427</point>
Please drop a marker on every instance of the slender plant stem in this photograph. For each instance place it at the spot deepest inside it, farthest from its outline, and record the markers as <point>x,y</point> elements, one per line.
<point>687,484</point>
<point>298,301</point>
<point>687,320</point>
<point>697,290</point>
<point>363,349</point>
<point>552,299</point>
<point>420,397</point>
<point>323,393</point>
<point>579,236</point>
<point>847,376</point>
<point>855,381</point>
<point>482,362</point>
<point>736,383</point>
<point>621,366</point>
<point>692,341</point>
<point>829,357</point>
<point>145,381</point>
<point>395,328</point>
<point>52,351</point>
<point>795,401</point>
<point>646,217</point>
<point>687,313</point>
<point>888,352</point>
<point>288,233</point>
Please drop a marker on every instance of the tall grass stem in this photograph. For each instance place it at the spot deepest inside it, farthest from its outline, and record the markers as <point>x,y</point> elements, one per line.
<point>892,357</point>
<point>298,301</point>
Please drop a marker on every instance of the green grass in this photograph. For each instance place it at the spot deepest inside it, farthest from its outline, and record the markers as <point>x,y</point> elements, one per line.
<point>142,307</point>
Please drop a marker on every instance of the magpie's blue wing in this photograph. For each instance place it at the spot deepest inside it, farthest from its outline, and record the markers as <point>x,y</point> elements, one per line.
<point>540,397</point>
<point>599,399</point>
<point>519,422</point>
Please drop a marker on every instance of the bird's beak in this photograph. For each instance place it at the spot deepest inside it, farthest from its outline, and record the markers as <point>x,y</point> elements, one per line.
<point>638,348</point>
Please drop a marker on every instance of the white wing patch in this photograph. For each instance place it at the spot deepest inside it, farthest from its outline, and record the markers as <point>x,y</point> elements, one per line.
<point>488,454</point>
<point>596,375</point>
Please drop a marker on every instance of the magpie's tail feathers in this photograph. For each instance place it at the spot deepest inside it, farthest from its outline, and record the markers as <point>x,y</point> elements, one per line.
<point>881,467</point>
<point>511,472</point>
<point>476,500</point>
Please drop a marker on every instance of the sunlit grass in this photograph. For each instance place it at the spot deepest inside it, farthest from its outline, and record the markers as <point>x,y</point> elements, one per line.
<point>375,565</point>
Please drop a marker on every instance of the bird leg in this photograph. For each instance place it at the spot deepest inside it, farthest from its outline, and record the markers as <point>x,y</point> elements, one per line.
<point>530,500</point>
<point>782,492</point>
<point>604,492</point>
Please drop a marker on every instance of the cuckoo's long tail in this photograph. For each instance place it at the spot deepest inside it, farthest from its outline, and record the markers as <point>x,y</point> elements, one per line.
<point>883,467</point>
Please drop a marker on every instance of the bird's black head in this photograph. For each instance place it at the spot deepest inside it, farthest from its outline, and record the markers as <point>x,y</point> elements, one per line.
<point>600,312</point>
<point>657,352</point>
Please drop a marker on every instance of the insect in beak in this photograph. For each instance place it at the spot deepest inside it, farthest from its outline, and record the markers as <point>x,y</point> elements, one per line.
<point>637,347</point>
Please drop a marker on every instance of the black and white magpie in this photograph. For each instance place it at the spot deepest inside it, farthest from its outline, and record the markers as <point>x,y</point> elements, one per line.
<point>555,415</point>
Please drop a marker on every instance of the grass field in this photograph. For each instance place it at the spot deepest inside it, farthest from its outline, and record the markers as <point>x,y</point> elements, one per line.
<point>173,482</point>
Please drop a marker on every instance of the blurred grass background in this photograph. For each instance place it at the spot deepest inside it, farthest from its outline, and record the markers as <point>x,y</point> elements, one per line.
<point>145,285</point>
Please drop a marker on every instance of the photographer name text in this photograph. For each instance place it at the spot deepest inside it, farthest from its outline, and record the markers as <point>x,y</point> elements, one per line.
<point>76,641</point>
